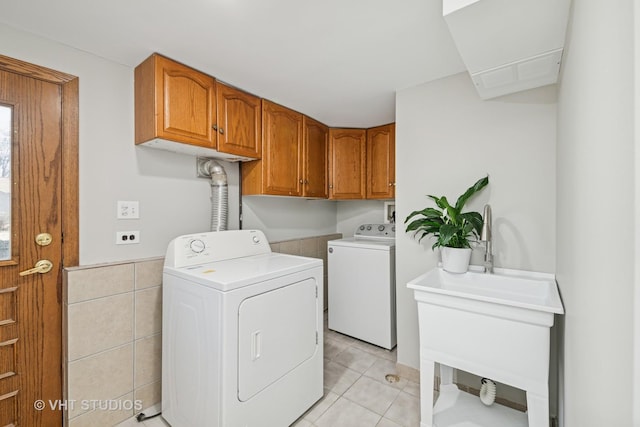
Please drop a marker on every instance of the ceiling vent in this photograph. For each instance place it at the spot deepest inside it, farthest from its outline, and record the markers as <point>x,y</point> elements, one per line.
<point>508,46</point>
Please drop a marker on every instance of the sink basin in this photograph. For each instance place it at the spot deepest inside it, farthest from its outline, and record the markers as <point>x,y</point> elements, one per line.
<point>493,325</point>
<point>515,288</point>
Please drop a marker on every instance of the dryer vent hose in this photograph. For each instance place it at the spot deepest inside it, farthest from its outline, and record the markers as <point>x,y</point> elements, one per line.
<point>219,195</point>
<point>488,391</point>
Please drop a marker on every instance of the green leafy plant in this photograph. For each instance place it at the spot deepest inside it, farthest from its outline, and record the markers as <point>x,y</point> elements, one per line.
<point>451,227</point>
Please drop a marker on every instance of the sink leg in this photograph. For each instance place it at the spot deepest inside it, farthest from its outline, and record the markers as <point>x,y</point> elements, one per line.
<point>537,410</point>
<point>446,375</point>
<point>427,374</point>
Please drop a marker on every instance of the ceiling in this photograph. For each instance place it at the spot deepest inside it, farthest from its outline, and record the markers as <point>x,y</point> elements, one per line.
<point>339,61</point>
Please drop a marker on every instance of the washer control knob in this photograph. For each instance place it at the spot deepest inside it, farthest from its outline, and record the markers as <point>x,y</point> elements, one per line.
<point>368,228</point>
<point>362,227</point>
<point>197,246</point>
<point>381,228</point>
<point>256,239</point>
<point>330,250</point>
<point>393,228</point>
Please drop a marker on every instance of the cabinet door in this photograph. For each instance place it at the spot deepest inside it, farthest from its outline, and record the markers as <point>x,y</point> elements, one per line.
<point>185,103</point>
<point>381,162</point>
<point>281,150</point>
<point>347,162</point>
<point>238,122</point>
<point>315,148</point>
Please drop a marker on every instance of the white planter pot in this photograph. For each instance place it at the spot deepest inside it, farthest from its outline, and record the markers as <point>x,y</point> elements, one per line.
<point>455,260</point>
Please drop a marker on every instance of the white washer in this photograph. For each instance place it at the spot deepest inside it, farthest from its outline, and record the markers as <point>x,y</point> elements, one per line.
<point>241,332</point>
<point>361,285</point>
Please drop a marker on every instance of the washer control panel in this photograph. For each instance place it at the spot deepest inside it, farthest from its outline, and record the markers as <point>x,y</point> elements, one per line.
<point>376,231</point>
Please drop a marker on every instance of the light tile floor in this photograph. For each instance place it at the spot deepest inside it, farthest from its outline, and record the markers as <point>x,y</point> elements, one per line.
<point>356,393</point>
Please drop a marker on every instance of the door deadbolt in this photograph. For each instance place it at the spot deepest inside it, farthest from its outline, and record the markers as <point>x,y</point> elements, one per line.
<point>44,239</point>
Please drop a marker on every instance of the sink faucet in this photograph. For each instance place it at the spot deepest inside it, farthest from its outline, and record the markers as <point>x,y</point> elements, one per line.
<point>485,236</point>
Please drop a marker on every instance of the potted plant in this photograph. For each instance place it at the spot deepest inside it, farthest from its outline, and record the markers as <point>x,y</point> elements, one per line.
<point>453,229</point>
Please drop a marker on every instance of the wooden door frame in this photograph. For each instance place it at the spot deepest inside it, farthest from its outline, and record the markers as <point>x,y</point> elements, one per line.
<point>70,141</point>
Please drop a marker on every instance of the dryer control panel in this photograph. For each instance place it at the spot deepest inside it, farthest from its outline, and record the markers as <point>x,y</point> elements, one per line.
<point>203,248</point>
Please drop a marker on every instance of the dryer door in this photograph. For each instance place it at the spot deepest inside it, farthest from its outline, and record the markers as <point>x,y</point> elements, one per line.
<point>277,331</point>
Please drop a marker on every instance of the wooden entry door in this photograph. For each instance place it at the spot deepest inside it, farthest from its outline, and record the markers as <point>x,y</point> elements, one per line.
<point>30,206</point>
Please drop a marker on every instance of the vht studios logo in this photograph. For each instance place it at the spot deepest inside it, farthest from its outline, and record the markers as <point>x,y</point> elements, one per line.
<point>87,405</point>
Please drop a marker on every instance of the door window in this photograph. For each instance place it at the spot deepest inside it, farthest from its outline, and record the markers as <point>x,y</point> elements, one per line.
<point>6,130</point>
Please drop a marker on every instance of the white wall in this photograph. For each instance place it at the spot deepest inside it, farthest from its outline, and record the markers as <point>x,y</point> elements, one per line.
<point>286,218</point>
<point>596,214</point>
<point>446,139</point>
<point>352,213</point>
<point>172,200</point>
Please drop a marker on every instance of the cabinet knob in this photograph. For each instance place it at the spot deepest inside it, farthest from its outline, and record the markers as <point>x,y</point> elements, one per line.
<point>215,127</point>
<point>391,184</point>
<point>330,185</point>
<point>221,130</point>
<point>306,181</point>
<point>301,181</point>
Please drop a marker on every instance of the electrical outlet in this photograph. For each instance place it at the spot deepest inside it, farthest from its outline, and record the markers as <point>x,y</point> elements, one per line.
<point>127,237</point>
<point>128,209</point>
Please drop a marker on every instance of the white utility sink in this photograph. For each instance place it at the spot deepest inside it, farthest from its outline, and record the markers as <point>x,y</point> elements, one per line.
<point>492,325</point>
<point>512,288</point>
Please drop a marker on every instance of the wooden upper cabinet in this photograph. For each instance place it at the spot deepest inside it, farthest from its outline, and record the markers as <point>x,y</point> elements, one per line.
<point>381,164</point>
<point>282,149</point>
<point>315,152</point>
<point>238,123</point>
<point>347,163</point>
<point>279,172</point>
<point>174,102</point>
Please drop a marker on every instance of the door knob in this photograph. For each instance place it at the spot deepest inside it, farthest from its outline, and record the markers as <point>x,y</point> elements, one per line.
<point>42,266</point>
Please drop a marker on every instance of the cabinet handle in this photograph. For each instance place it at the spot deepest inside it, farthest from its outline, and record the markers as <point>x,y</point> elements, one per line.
<point>215,127</point>
<point>221,130</point>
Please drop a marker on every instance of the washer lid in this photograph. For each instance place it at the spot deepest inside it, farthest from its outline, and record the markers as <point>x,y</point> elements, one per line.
<point>239,272</point>
<point>353,242</point>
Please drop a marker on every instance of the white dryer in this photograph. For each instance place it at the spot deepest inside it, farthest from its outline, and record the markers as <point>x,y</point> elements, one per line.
<point>241,332</point>
<point>361,284</point>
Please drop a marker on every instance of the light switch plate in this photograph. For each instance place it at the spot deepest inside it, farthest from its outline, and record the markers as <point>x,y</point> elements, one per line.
<point>128,209</point>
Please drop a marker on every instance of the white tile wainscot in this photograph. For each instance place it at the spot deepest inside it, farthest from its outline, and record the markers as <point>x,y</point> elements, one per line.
<point>112,320</point>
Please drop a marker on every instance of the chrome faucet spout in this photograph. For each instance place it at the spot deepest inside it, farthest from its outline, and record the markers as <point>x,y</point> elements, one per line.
<point>485,236</point>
